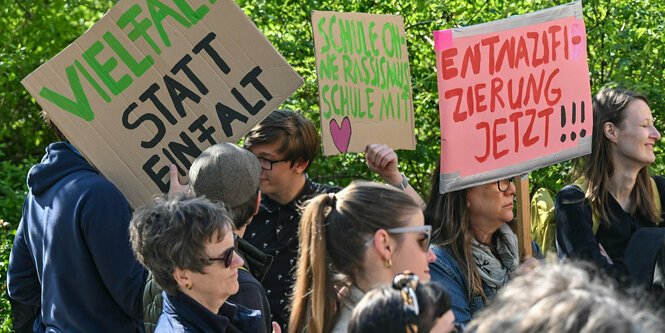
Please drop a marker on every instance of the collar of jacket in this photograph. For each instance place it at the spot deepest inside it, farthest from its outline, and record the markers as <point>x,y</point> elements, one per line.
<point>257,263</point>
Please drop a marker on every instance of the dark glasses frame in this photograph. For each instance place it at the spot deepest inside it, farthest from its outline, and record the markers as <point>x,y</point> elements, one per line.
<point>269,162</point>
<point>227,257</point>
<point>507,185</point>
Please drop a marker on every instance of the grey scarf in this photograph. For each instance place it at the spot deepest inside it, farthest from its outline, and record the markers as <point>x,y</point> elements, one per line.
<point>496,271</point>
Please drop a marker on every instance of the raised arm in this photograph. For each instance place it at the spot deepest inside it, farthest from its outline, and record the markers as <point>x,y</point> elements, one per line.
<point>382,160</point>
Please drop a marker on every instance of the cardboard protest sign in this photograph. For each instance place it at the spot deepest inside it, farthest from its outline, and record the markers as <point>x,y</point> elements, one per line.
<point>364,81</point>
<point>156,82</point>
<point>514,96</point>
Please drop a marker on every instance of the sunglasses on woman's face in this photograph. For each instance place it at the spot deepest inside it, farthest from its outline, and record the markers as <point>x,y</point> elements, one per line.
<point>425,229</point>
<point>227,257</point>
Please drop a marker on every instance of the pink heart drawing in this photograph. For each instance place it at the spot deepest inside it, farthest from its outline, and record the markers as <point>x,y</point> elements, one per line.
<point>341,135</point>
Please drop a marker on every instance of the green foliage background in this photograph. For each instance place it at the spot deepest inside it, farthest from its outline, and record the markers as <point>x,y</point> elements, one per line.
<point>625,47</point>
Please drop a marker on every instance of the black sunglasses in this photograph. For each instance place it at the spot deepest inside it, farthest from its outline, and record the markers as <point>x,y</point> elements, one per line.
<point>227,257</point>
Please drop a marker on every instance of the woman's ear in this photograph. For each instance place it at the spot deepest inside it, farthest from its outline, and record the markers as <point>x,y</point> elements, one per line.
<point>610,132</point>
<point>181,276</point>
<point>383,244</point>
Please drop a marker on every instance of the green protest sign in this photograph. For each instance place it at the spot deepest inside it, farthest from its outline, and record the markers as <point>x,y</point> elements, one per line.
<point>364,81</point>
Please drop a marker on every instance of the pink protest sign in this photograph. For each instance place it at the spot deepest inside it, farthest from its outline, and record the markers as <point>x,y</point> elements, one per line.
<point>514,96</point>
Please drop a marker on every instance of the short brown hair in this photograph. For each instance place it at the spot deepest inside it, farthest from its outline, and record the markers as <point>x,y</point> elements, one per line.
<point>299,138</point>
<point>173,233</point>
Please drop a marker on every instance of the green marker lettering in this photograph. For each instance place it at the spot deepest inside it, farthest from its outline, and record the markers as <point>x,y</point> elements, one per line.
<point>158,12</point>
<point>324,90</point>
<point>332,99</point>
<point>92,81</point>
<point>372,38</point>
<point>140,28</point>
<point>345,36</point>
<point>347,68</point>
<point>104,71</point>
<point>388,48</point>
<point>138,68</point>
<point>330,34</point>
<point>368,92</point>
<point>387,104</point>
<point>326,47</point>
<point>79,106</point>
<point>193,15</point>
<point>328,67</point>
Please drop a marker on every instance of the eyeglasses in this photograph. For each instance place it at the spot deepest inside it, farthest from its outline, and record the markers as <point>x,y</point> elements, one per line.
<point>426,229</point>
<point>266,164</point>
<point>407,283</point>
<point>227,257</point>
<point>504,184</point>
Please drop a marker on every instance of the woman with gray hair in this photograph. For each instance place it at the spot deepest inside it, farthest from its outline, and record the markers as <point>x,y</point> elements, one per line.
<point>188,245</point>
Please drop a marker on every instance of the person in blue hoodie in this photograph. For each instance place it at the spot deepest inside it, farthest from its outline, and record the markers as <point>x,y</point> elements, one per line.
<point>71,260</point>
<point>189,246</point>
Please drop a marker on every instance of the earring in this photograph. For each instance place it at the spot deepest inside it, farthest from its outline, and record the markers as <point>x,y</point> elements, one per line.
<point>189,286</point>
<point>388,263</point>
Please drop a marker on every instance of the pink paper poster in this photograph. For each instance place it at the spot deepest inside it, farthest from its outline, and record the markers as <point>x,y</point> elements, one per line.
<point>510,100</point>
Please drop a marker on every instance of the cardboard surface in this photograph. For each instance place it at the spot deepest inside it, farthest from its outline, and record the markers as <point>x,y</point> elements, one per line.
<point>514,96</point>
<point>157,82</point>
<point>364,81</point>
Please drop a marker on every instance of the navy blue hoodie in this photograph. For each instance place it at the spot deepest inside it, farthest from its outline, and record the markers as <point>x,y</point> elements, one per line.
<point>71,254</point>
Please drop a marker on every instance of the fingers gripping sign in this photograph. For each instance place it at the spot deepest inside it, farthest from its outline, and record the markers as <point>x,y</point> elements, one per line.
<point>175,185</point>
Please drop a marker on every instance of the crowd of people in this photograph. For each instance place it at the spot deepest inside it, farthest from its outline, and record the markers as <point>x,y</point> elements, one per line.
<point>252,244</point>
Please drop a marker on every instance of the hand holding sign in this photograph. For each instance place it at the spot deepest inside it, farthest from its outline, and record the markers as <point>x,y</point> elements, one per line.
<point>382,160</point>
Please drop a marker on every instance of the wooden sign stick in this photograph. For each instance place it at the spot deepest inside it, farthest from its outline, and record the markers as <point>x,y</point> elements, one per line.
<point>523,217</point>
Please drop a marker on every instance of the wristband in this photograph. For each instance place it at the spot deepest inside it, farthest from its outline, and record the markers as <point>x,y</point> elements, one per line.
<point>405,182</point>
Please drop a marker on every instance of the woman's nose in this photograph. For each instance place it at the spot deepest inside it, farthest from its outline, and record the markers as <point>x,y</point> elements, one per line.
<point>430,255</point>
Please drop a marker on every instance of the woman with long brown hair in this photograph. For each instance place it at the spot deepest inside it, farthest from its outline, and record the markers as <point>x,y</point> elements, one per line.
<point>476,251</point>
<point>613,196</point>
<point>351,242</point>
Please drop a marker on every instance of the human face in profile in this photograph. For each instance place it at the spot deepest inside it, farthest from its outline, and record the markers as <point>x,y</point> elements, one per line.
<point>278,175</point>
<point>217,282</point>
<point>491,205</point>
<point>413,252</point>
<point>634,138</point>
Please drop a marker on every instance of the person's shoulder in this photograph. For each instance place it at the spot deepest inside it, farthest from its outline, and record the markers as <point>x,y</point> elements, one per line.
<point>168,324</point>
<point>247,281</point>
<point>317,188</point>
<point>660,182</point>
<point>570,192</point>
<point>445,261</point>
